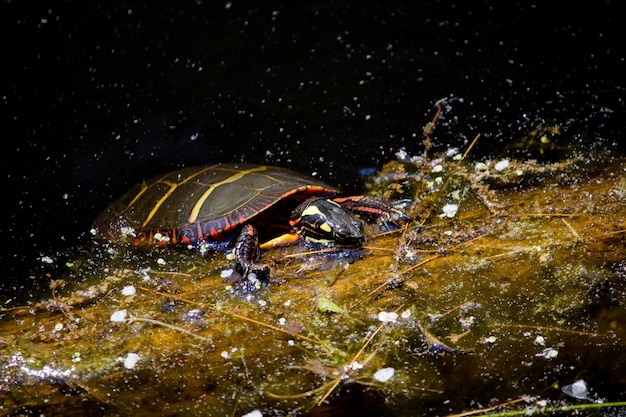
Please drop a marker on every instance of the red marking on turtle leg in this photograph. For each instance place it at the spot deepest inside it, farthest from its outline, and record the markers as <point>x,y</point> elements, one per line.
<point>373,209</point>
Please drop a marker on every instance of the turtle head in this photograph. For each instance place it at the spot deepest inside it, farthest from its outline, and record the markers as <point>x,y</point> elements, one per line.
<point>323,222</point>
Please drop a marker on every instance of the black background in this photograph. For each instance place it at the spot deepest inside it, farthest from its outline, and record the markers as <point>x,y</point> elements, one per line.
<point>97,97</point>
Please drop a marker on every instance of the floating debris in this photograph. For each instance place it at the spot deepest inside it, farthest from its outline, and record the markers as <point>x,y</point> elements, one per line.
<point>47,260</point>
<point>388,316</point>
<point>480,166</point>
<point>131,360</point>
<point>467,322</point>
<point>384,374</point>
<point>253,413</point>
<point>119,316</point>
<point>548,353</point>
<point>452,152</point>
<point>501,165</point>
<point>129,290</point>
<point>325,305</point>
<point>354,366</point>
<point>577,390</point>
<point>449,211</point>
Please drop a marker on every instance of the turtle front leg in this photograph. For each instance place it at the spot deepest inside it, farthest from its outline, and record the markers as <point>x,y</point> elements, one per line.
<point>374,210</point>
<point>247,253</point>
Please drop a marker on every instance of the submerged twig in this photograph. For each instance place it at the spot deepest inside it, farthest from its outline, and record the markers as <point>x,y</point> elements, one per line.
<point>486,410</point>
<point>570,409</point>
<point>354,359</point>
<point>169,326</point>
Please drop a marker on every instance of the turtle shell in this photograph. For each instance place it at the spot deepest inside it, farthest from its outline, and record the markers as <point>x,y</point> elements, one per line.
<point>209,203</point>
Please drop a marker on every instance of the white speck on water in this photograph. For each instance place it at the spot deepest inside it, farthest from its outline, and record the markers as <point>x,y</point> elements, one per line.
<point>355,366</point>
<point>450,152</point>
<point>129,290</point>
<point>384,374</point>
<point>481,166</point>
<point>47,259</point>
<point>253,413</point>
<point>127,231</point>
<point>118,316</point>
<point>387,316</point>
<point>502,165</point>
<point>548,353</point>
<point>577,390</point>
<point>449,211</point>
<point>131,360</point>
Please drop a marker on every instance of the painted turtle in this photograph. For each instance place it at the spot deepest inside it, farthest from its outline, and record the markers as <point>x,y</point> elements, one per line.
<point>213,206</point>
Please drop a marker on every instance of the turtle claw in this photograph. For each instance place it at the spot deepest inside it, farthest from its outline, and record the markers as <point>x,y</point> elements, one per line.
<point>256,272</point>
<point>254,279</point>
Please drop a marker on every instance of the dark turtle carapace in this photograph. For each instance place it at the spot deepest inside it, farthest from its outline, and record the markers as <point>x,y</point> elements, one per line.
<point>220,204</point>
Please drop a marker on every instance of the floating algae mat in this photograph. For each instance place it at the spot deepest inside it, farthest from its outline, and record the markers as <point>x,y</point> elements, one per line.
<point>507,293</point>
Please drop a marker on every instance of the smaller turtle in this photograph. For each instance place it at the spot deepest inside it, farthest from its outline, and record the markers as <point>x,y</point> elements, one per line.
<point>213,206</point>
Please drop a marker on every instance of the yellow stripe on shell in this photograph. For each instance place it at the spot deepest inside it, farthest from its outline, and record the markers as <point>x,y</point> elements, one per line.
<point>198,206</point>
<point>173,186</point>
<point>144,187</point>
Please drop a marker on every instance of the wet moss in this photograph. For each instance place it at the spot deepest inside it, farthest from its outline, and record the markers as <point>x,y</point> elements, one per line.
<point>517,294</point>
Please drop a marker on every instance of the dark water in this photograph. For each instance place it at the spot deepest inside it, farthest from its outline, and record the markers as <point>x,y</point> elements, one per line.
<point>97,97</point>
